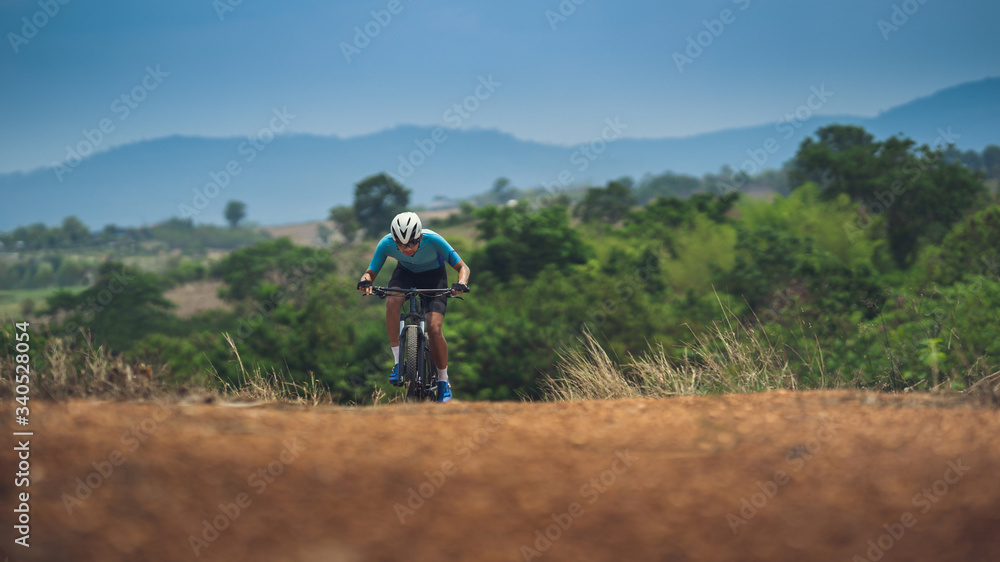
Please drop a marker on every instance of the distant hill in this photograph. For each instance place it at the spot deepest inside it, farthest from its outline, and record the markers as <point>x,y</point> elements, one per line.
<point>298,178</point>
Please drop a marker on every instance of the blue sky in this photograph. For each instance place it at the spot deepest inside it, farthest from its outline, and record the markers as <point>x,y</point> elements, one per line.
<point>554,80</point>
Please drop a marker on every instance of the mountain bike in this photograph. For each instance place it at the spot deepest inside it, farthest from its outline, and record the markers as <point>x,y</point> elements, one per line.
<point>416,368</point>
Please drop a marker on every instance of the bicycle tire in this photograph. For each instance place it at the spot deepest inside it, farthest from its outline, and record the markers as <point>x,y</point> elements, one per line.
<point>430,374</point>
<point>410,374</point>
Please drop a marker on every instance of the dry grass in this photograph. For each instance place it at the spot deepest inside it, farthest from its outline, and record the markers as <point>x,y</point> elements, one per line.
<point>91,372</point>
<point>733,358</point>
<point>379,397</point>
<point>986,391</point>
<point>94,372</point>
<point>259,386</point>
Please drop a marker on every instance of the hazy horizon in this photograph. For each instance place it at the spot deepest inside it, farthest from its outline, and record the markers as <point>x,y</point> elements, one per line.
<point>548,73</point>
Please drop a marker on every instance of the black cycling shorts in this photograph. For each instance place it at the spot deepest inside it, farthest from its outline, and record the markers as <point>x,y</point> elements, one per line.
<point>403,278</point>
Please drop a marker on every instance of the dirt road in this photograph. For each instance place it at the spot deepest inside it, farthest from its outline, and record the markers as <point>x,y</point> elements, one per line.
<point>779,476</point>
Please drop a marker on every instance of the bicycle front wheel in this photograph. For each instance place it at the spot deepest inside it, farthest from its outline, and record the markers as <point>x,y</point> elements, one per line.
<point>430,374</point>
<point>410,374</point>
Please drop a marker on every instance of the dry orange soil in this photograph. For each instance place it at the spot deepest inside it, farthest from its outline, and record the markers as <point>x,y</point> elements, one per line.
<point>778,476</point>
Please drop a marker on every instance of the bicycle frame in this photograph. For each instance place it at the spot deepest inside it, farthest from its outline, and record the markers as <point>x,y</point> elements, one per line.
<point>413,314</point>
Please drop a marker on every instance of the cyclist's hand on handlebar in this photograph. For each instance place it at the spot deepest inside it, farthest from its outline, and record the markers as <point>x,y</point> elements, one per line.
<point>365,286</point>
<point>458,288</point>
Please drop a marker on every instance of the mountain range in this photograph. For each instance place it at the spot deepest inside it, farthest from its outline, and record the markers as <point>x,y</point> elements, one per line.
<point>295,177</point>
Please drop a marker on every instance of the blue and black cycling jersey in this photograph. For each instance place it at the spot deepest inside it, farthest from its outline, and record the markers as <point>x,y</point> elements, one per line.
<point>434,251</point>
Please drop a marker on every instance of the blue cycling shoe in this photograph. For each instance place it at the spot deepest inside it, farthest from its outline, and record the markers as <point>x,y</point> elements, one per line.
<point>394,379</point>
<point>444,391</point>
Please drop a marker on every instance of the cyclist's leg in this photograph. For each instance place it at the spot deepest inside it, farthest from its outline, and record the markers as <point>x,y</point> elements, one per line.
<point>439,346</point>
<point>438,279</point>
<point>393,304</point>
<point>401,279</point>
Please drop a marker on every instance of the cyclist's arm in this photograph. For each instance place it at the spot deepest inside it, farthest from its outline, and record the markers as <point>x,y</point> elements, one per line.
<point>450,256</point>
<point>369,276</point>
<point>463,272</point>
<point>463,277</point>
<point>380,255</point>
<point>378,260</point>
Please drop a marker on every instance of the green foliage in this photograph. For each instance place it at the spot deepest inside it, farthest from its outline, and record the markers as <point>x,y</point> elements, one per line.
<point>842,159</point>
<point>323,232</point>
<point>277,265</point>
<point>668,185</point>
<point>48,270</point>
<point>377,199</point>
<point>701,252</point>
<point>806,214</point>
<point>497,349</point>
<point>28,307</point>
<point>194,359</point>
<point>522,242</point>
<point>775,269</point>
<point>174,234</point>
<point>234,212</point>
<point>346,221</point>
<point>991,161</point>
<point>919,191</point>
<point>710,292</point>
<point>183,270</point>
<point>184,235</point>
<point>466,214</point>
<point>926,336</point>
<point>499,194</point>
<point>122,306</point>
<point>70,273</point>
<point>608,204</point>
<point>72,234</point>
<point>665,214</point>
<point>970,248</point>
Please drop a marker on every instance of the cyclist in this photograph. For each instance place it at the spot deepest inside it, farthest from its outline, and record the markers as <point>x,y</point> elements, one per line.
<point>420,255</point>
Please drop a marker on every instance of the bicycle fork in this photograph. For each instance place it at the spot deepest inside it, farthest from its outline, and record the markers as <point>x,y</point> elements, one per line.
<point>421,368</point>
<point>422,371</point>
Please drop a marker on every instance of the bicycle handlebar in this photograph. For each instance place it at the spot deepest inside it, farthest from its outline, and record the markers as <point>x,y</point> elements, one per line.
<point>382,292</point>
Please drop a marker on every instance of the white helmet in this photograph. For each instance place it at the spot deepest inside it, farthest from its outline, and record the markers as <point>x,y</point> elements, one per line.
<point>406,228</point>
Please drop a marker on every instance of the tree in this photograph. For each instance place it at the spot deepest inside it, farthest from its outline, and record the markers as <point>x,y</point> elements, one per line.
<point>377,199</point>
<point>346,221</point>
<point>609,204</point>
<point>502,191</point>
<point>917,190</point>
<point>841,160</point>
<point>122,306</point>
<point>35,237</point>
<point>277,265</point>
<point>70,273</point>
<point>74,231</point>
<point>323,232</point>
<point>972,159</point>
<point>27,307</point>
<point>235,211</point>
<point>991,160</point>
<point>668,184</point>
<point>658,218</point>
<point>969,249</point>
<point>521,241</point>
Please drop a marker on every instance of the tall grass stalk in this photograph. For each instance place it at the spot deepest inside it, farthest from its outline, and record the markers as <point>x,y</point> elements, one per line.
<point>92,372</point>
<point>256,385</point>
<point>731,358</point>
